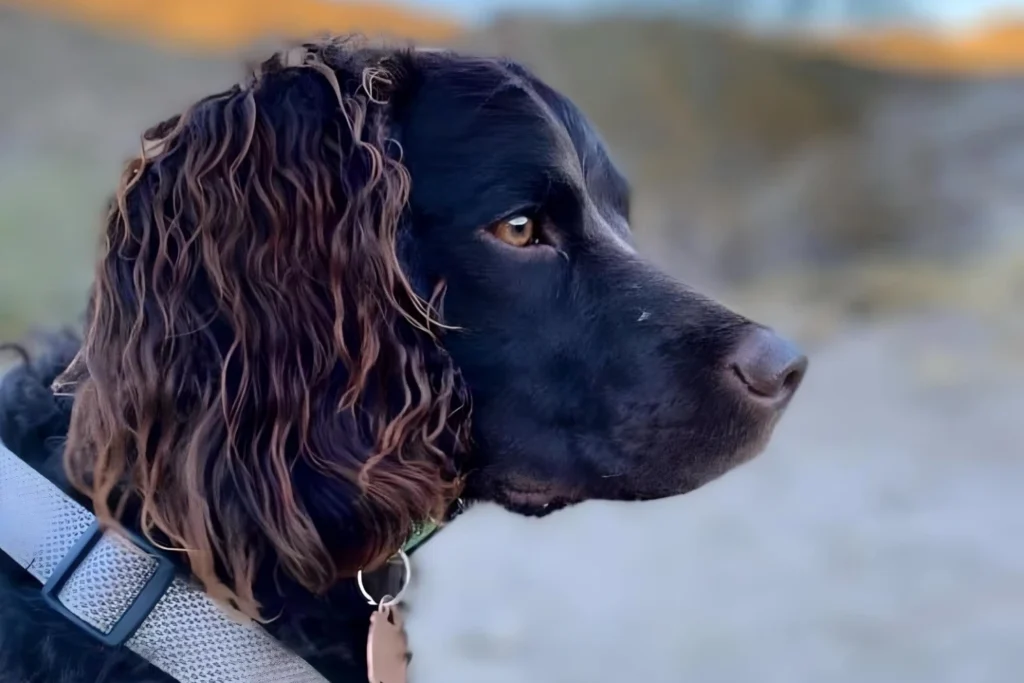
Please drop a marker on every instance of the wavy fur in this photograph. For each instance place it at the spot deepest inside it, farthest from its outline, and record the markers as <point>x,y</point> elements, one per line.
<point>250,323</point>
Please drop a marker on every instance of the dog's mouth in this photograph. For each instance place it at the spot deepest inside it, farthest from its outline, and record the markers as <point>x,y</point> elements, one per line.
<point>520,495</point>
<point>534,504</point>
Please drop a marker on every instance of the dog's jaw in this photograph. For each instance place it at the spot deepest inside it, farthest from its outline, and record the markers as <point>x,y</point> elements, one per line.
<point>520,495</point>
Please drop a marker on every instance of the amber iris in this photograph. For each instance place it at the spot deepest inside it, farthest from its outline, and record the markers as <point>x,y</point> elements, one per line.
<point>518,231</point>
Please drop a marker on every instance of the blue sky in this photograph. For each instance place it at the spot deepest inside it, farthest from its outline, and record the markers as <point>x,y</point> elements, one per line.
<point>944,12</point>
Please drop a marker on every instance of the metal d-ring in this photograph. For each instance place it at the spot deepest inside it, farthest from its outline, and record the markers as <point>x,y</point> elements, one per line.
<point>387,600</point>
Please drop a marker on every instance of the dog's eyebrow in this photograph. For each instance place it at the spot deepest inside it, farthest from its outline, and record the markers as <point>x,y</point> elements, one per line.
<point>600,176</point>
<point>483,142</point>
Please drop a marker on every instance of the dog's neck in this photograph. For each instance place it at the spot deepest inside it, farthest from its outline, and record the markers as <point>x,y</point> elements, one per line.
<point>329,631</point>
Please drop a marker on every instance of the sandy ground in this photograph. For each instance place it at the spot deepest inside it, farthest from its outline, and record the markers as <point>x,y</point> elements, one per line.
<point>878,540</point>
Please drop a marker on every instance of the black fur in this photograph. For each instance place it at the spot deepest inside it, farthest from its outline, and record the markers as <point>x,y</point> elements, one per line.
<point>592,374</point>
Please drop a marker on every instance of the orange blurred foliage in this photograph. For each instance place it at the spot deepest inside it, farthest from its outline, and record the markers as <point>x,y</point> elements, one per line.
<point>227,24</point>
<point>989,48</point>
<point>230,24</point>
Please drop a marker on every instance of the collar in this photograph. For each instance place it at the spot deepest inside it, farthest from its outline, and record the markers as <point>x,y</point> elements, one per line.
<point>420,535</point>
<point>117,588</point>
<point>424,531</point>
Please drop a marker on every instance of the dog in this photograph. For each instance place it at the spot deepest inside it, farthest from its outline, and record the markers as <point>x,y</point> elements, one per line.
<point>343,295</point>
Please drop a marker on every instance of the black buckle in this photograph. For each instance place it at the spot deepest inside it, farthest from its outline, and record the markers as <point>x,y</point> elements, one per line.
<point>140,608</point>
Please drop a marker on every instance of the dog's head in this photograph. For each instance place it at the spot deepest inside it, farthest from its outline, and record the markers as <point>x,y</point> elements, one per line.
<point>338,295</point>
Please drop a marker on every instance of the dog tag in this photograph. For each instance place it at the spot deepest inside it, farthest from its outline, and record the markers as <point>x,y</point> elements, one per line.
<point>387,646</point>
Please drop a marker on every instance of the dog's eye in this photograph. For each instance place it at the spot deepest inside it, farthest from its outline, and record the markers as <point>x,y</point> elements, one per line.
<point>518,231</point>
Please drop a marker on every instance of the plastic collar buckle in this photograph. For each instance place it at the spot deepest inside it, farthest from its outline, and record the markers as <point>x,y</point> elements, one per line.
<point>140,608</point>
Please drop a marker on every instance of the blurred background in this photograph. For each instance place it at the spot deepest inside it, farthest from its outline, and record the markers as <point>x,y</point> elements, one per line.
<point>849,171</point>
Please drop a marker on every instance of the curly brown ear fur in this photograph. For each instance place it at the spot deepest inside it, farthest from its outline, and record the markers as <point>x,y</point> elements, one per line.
<point>263,383</point>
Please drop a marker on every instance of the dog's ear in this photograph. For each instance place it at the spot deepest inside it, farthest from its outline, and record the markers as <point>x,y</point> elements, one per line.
<point>262,381</point>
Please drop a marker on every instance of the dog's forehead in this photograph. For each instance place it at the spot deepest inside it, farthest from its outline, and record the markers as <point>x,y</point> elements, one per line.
<point>461,97</point>
<point>601,175</point>
<point>456,96</point>
<point>470,122</point>
<point>489,133</point>
<point>487,78</point>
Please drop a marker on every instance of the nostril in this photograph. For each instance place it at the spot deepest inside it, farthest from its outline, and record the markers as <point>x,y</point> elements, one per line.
<point>794,375</point>
<point>769,366</point>
<point>759,384</point>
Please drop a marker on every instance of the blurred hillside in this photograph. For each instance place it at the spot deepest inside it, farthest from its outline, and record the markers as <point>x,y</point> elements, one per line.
<point>751,158</point>
<point>990,47</point>
<point>227,24</point>
<point>942,36</point>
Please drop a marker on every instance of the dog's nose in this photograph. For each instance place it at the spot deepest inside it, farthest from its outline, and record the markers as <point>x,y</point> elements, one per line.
<point>769,367</point>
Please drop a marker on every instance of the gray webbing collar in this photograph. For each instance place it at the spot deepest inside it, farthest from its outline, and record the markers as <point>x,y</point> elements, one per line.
<point>106,580</point>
